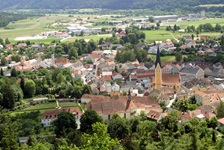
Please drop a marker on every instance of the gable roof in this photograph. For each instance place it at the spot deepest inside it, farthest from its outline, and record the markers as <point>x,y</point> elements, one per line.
<point>53,114</point>
<point>189,70</point>
<point>109,105</point>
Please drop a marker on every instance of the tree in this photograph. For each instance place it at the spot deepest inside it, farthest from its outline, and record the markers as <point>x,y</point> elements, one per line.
<point>220,110</point>
<point>151,19</point>
<point>7,41</point>
<point>15,58</point>
<point>8,132</point>
<point>1,41</point>
<point>72,53</point>
<point>117,127</point>
<point>178,56</point>
<point>99,139</point>
<point>88,119</point>
<point>3,61</point>
<point>30,88</point>
<point>22,85</point>
<point>82,33</point>
<point>8,95</point>
<point>65,124</point>
<point>72,34</point>
<point>1,72</point>
<point>87,89</point>
<point>13,72</point>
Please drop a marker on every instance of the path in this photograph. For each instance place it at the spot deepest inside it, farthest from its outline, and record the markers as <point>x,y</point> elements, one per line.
<point>174,37</point>
<point>171,101</point>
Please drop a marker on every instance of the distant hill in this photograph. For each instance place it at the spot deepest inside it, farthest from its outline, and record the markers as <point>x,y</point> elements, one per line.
<point>165,5</point>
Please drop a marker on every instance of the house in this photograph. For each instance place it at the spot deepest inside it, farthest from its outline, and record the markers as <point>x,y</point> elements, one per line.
<point>115,87</point>
<point>199,113</point>
<point>200,52</point>
<point>167,69</point>
<point>117,76</point>
<point>154,115</point>
<point>221,124</point>
<point>93,57</point>
<point>210,52</point>
<point>9,46</point>
<point>210,99</point>
<point>125,106</point>
<point>50,115</point>
<point>191,44</point>
<point>21,45</point>
<point>195,71</point>
<point>60,62</point>
<point>78,65</point>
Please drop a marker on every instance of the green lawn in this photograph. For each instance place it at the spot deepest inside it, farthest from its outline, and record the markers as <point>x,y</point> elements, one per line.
<point>45,106</point>
<point>157,35</point>
<point>93,37</point>
<point>167,58</point>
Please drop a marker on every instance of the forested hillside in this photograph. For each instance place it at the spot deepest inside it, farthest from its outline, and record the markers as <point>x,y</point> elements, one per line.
<point>165,5</point>
<point>6,18</point>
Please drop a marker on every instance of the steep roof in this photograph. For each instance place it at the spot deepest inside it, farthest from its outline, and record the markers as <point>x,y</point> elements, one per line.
<point>109,105</point>
<point>158,58</point>
<point>171,78</point>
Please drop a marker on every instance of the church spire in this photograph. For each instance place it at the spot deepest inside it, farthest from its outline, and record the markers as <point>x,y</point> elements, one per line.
<point>158,58</point>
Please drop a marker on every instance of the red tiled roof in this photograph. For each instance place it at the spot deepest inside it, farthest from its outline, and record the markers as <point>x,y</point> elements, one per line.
<point>62,61</point>
<point>93,55</point>
<point>221,121</point>
<point>109,105</point>
<point>170,78</point>
<point>53,114</point>
<point>154,115</point>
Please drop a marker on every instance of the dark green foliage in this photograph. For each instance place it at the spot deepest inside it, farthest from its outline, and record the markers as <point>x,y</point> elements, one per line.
<point>8,132</point>
<point>167,5</point>
<point>29,123</point>
<point>220,110</point>
<point>178,57</point>
<point>65,124</point>
<point>117,127</point>
<point>6,18</point>
<point>1,72</point>
<point>13,72</point>
<point>8,97</point>
<point>3,61</point>
<point>88,119</point>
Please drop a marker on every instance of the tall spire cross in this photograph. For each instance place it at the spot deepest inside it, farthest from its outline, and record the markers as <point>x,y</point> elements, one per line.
<point>158,58</point>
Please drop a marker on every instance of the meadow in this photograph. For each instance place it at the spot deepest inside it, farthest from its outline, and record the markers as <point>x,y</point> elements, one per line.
<point>87,38</point>
<point>196,23</point>
<point>44,106</point>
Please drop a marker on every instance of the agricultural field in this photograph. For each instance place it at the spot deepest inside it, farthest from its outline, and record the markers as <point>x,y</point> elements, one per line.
<point>196,23</point>
<point>157,35</point>
<point>87,38</point>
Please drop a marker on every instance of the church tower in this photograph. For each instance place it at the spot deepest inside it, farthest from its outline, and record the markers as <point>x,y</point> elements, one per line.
<point>158,71</point>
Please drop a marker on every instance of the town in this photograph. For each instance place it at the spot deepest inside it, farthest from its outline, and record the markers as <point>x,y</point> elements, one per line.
<point>159,87</point>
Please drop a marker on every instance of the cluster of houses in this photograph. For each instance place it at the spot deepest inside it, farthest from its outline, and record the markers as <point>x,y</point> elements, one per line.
<point>135,87</point>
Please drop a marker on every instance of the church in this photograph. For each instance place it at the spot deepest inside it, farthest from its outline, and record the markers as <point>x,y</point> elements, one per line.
<point>164,80</point>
